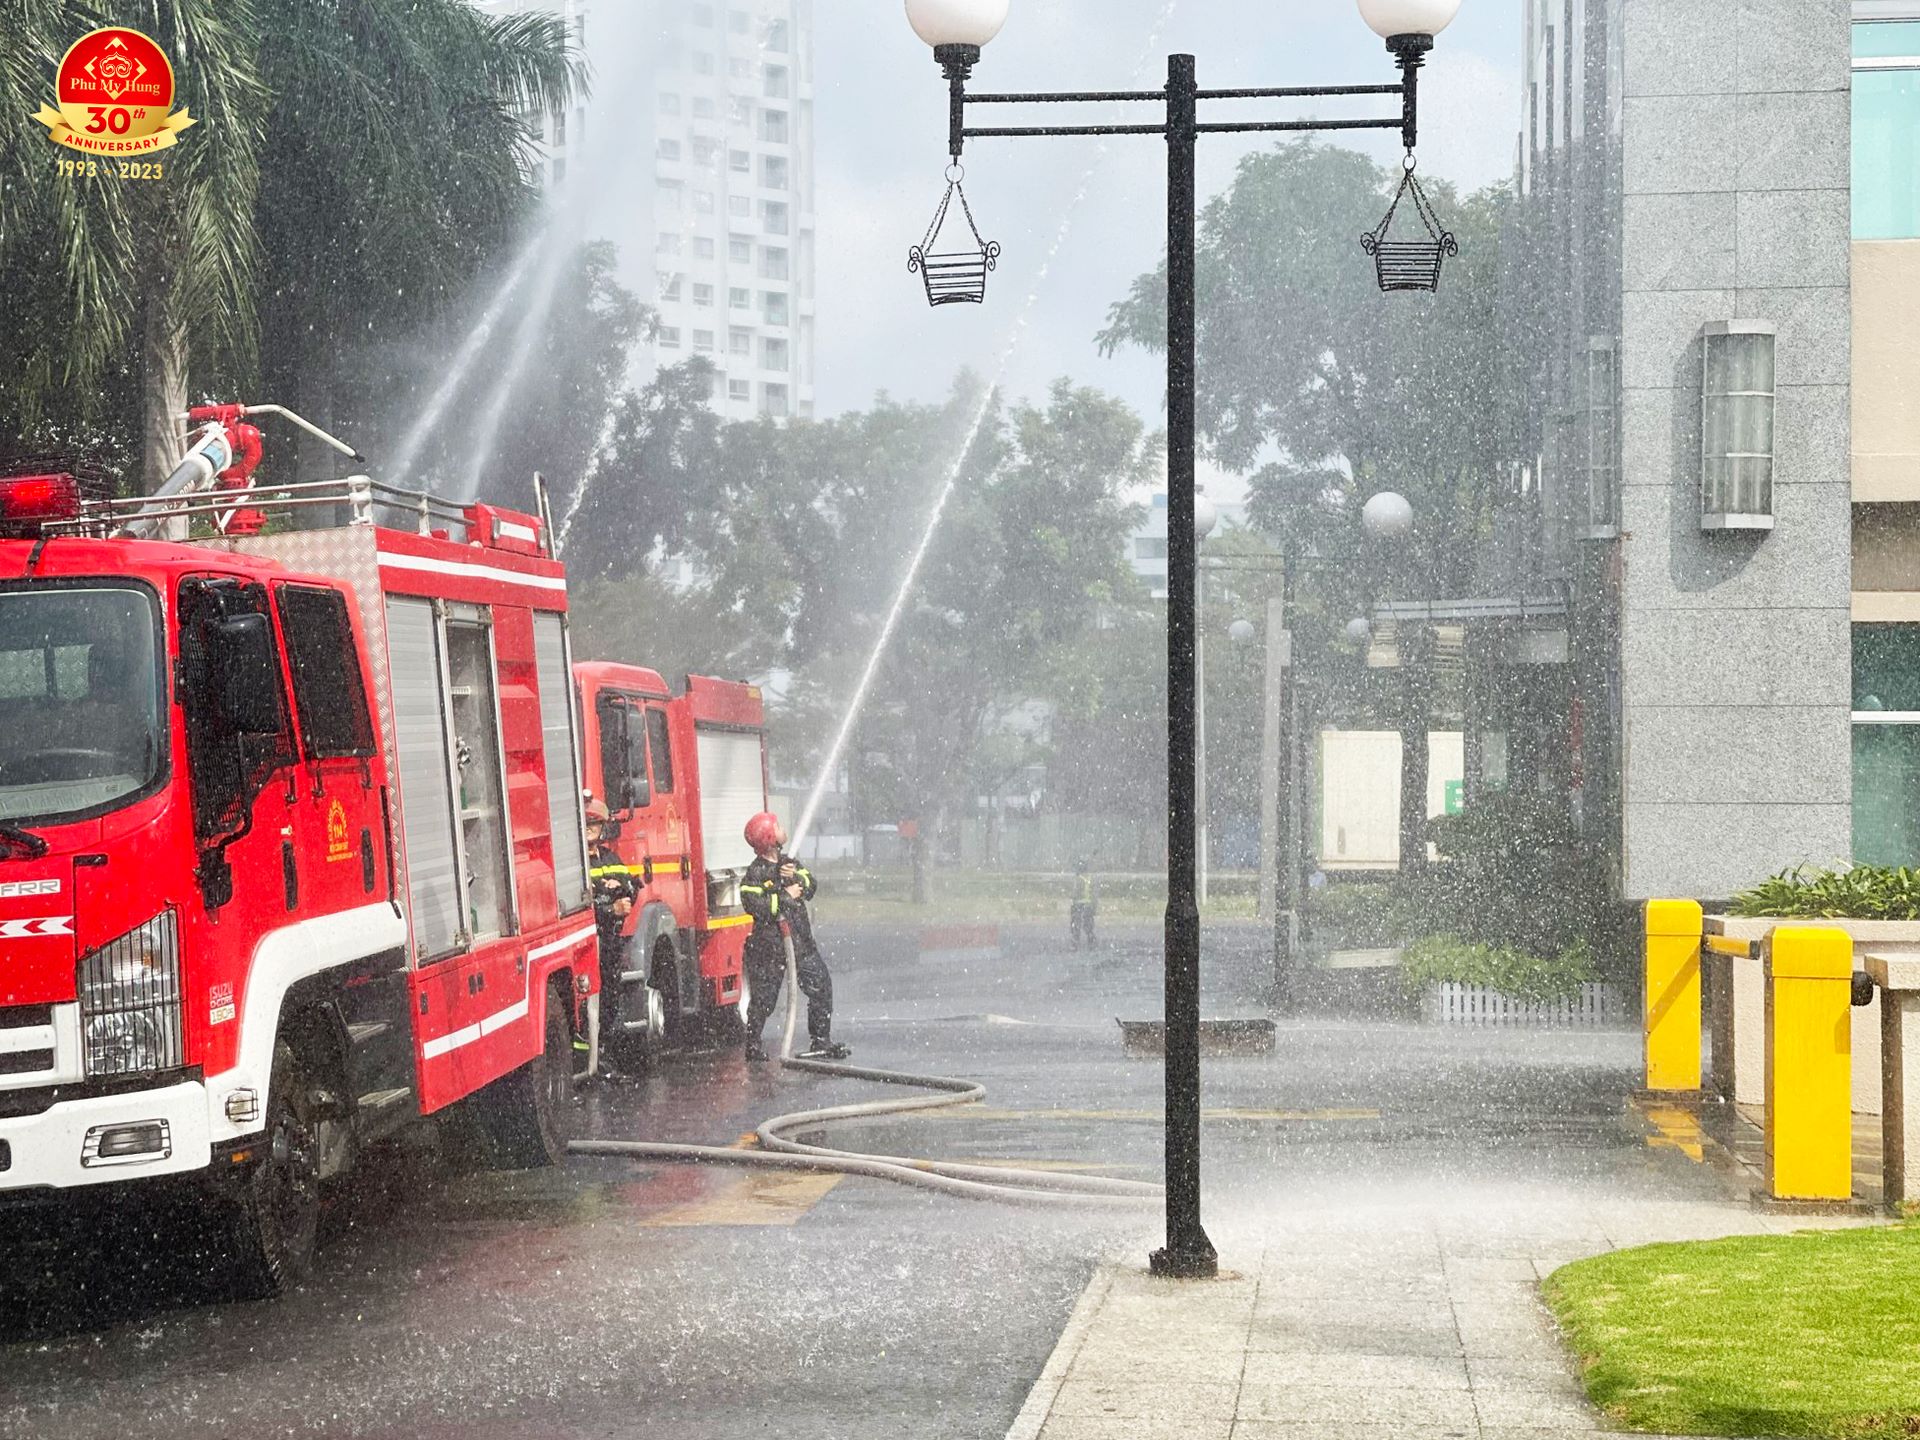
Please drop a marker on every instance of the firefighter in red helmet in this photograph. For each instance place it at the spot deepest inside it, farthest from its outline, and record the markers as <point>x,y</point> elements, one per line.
<point>775,891</point>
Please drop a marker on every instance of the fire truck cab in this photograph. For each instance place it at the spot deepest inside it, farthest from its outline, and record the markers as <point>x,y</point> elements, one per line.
<point>680,774</point>
<point>291,849</point>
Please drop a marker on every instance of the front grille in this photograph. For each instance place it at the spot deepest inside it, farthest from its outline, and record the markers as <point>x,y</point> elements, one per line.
<point>21,1017</point>
<point>27,1062</point>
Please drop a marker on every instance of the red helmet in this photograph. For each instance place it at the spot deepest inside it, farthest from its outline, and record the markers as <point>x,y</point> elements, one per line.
<point>597,813</point>
<point>764,832</point>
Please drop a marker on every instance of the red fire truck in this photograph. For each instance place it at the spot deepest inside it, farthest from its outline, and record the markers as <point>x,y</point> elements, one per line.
<point>680,774</point>
<point>291,847</point>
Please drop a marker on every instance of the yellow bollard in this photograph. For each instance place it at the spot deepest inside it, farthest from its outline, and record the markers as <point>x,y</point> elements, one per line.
<point>1809,1064</point>
<point>1672,1016</point>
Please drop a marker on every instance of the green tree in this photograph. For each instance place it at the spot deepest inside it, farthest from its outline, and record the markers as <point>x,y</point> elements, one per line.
<point>1345,392</point>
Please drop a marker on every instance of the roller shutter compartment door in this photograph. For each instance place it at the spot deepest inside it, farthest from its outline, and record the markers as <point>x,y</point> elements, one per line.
<point>732,791</point>
<point>426,792</point>
<point>562,762</point>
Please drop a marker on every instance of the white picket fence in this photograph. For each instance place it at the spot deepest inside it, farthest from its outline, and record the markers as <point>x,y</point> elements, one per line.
<point>1596,1007</point>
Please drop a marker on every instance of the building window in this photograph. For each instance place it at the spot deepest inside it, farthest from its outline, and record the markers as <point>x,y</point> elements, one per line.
<point>1886,744</point>
<point>668,194</point>
<point>773,355</point>
<point>740,207</point>
<point>773,172</point>
<point>1150,547</point>
<point>776,82</point>
<point>773,216</point>
<point>739,298</point>
<point>773,400</point>
<point>773,126</point>
<point>703,295</point>
<point>740,342</point>
<point>559,168</point>
<point>669,287</point>
<point>703,62</point>
<point>739,251</point>
<point>703,107</point>
<point>740,162</point>
<point>703,202</point>
<point>668,243</point>
<point>773,262</point>
<point>559,127</point>
<point>669,103</point>
<point>703,247</point>
<point>669,337</point>
<point>773,307</point>
<point>703,15</point>
<point>703,340</point>
<point>777,37</point>
<point>668,149</point>
<point>741,110</point>
<point>740,390</point>
<point>739,22</point>
<point>1886,130</point>
<point>706,150</point>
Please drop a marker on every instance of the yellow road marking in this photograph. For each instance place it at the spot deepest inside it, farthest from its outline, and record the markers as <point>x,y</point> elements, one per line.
<point>770,1198</point>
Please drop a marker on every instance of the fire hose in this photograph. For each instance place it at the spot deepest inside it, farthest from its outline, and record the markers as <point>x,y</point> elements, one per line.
<point>778,1150</point>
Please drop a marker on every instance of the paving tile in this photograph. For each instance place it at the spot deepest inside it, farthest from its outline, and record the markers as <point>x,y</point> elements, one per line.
<point>1341,1430</point>
<point>1414,1411</point>
<point>1384,1372</point>
<point>1144,1402</point>
<point>1284,1334</point>
<point>1550,1370</point>
<point>1104,1359</point>
<point>1089,1427</point>
<point>1519,1407</point>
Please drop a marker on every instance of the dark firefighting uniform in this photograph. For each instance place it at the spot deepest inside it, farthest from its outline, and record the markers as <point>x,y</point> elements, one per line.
<point>612,882</point>
<point>766,959</point>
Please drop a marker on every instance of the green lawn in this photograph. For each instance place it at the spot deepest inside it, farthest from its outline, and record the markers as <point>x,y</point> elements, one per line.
<point>1816,1333</point>
<point>992,897</point>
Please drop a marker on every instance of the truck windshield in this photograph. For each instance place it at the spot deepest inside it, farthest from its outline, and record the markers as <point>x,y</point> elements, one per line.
<point>80,701</point>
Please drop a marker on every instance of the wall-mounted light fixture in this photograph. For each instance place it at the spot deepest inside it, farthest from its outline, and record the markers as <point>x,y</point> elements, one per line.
<point>1736,425</point>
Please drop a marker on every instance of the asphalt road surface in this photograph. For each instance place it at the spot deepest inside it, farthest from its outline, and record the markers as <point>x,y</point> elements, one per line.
<point>607,1298</point>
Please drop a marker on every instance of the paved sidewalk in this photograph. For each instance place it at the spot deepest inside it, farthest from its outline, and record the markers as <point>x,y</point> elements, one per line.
<point>1355,1322</point>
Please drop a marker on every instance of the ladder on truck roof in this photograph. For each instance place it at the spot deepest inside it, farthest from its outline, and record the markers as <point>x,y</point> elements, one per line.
<point>366,501</point>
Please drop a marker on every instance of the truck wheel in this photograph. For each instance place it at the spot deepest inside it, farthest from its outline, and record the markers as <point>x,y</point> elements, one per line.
<point>636,1049</point>
<point>529,1114</point>
<point>277,1213</point>
<point>665,973</point>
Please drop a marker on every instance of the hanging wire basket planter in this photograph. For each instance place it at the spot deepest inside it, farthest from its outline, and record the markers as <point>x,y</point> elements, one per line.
<point>1409,263</point>
<point>954,277</point>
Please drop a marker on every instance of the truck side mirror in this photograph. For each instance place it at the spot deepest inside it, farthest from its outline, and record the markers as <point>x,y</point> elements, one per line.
<point>244,671</point>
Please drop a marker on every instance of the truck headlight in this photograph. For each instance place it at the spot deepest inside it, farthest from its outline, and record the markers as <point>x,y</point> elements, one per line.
<point>130,1001</point>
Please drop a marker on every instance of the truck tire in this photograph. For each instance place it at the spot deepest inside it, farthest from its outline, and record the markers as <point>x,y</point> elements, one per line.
<point>276,1221</point>
<point>637,1049</point>
<point>664,970</point>
<point>529,1113</point>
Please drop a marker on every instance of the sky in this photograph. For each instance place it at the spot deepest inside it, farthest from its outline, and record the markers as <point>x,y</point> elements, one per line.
<point>880,148</point>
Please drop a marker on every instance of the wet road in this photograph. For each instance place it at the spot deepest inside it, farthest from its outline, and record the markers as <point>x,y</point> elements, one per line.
<point>611,1299</point>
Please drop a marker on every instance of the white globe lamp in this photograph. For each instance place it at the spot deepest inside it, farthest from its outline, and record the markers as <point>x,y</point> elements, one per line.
<point>957,22</point>
<point>1240,631</point>
<point>1387,516</point>
<point>1359,630</point>
<point>1206,515</point>
<point>1391,18</point>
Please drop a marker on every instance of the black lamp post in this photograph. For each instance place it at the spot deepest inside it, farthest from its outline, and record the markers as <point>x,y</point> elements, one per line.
<point>956,29</point>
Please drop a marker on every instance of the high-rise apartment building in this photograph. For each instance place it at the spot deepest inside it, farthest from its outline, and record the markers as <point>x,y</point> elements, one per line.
<point>714,101</point>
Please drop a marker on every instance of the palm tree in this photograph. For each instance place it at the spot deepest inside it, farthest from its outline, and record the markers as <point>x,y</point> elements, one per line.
<point>350,151</point>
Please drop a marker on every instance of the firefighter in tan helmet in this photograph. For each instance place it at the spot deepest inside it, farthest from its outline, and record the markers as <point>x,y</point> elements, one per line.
<point>775,891</point>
